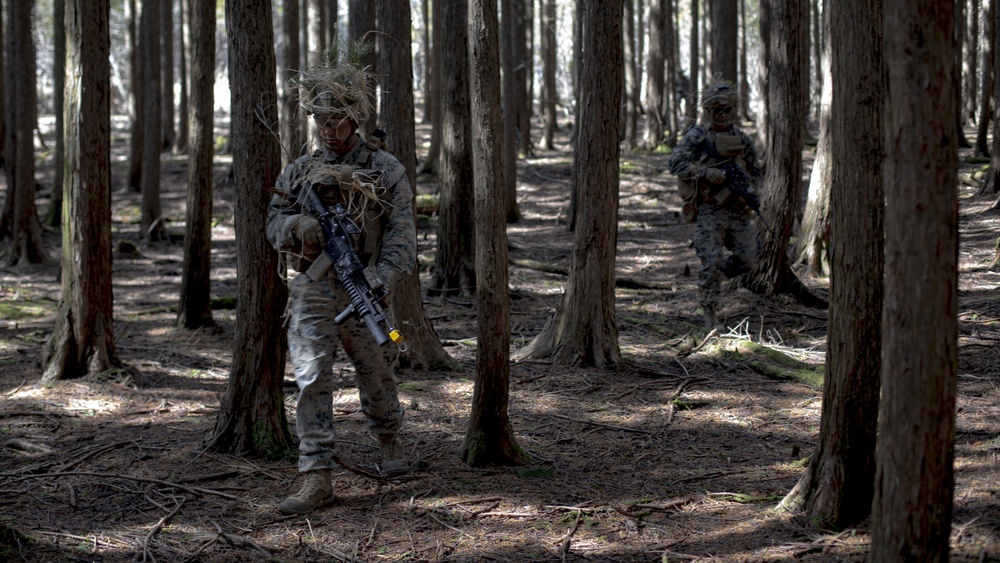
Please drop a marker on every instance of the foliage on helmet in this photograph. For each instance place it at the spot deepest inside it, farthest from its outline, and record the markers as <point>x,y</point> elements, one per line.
<point>338,85</point>
<point>718,93</point>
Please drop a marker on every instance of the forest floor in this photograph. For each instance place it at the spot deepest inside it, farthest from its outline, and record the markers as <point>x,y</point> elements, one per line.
<point>682,454</point>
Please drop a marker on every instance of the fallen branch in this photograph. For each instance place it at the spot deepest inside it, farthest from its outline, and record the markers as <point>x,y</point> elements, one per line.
<point>602,425</point>
<point>564,543</point>
<point>156,529</point>
<point>685,353</point>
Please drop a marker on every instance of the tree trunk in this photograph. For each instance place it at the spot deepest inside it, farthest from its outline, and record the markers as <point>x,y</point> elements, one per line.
<point>195,308</point>
<point>653,132</point>
<point>53,216</point>
<point>184,40</point>
<point>425,37</point>
<point>670,78</point>
<point>583,331</point>
<point>914,482</point>
<point>772,274</point>
<point>252,415</point>
<point>83,338</point>
<point>317,31</point>
<point>455,261</point>
<point>489,437</point>
<point>959,39</point>
<point>989,82</point>
<point>136,88</point>
<point>332,21</point>
<point>724,36</point>
<point>424,348</point>
<point>362,28</point>
<point>152,220</point>
<point>990,183</point>
<point>971,62</point>
<point>843,468</point>
<point>509,100</point>
<point>292,137</point>
<point>4,118</point>
<point>523,69</point>
<point>632,107</point>
<point>814,234</point>
<point>167,85</point>
<point>26,230</point>
<point>693,52</point>
<point>432,104</point>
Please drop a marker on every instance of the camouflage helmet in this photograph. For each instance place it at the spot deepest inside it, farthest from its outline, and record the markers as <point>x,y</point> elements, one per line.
<point>719,93</point>
<point>338,85</point>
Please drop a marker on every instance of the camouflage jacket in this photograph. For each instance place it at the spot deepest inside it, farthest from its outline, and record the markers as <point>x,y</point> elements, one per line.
<point>688,161</point>
<point>388,240</point>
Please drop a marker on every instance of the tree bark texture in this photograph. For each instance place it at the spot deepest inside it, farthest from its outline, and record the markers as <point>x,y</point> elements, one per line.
<point>455,261</point>
<point>989,81</point>
<point>167,85</point>
<point>550,94</point>
<point>252,415</point>
<point>914,483</point>
<point>725,34</point>
<point>653,132</point>
<point>317,30</point>
<point>583,331</point>
<point>83,338</point>
<point>26,229</point>
<point>489,437</point>
<point>362,28</point>
<point>843,469</point>
<point>292,138</point>
<point>432,104</point>
<point>424,347</point>
<point>631,106</point>
<point>991,183</point>
<point>693,52</point>
<point>509,101</point>
<point>183,110</point>
<point>136,88</point>
<point>4,105</point>
<point>195,308</point>
<point>53,216</point>
<point>153,228</point>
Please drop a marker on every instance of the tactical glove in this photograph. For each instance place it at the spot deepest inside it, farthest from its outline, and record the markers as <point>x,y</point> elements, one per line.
<point>307,230</point>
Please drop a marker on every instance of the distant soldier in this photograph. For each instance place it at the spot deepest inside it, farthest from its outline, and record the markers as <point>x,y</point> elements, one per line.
<point>372,185</point>
<point>711,195</point>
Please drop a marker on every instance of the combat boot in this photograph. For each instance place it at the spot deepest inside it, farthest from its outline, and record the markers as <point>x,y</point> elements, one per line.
<point>316,492</point>
<point>393,459</point>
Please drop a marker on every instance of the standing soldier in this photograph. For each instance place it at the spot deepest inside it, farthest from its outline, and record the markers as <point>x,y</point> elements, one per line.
<point>713,162</point>
<point>372,185</point>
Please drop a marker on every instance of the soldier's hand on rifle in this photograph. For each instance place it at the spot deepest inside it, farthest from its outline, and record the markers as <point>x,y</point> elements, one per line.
<point>307,230</point>
<point>715,176</point>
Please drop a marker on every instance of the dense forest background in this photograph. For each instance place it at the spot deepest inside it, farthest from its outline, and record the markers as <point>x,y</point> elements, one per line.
<point>848,410</point>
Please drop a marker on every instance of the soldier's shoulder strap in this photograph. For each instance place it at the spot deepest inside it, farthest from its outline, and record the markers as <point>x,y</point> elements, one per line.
<point>374,142</point>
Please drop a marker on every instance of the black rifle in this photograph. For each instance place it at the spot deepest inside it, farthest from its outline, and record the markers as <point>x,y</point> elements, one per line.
<point>737,179</point>
<point>340,233</point>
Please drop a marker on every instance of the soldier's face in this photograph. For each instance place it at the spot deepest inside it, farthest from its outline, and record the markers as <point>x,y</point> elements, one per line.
<point>722,116</point>
<point>336,132</point>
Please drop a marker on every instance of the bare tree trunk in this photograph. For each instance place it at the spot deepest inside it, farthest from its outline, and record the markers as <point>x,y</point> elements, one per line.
<point>653,133</point>
<point>693,50</point>
<point>523,68</point>
<point>317,31</point>
<point>53,216</point>
<point>292,136</point>
<point>632,107</point>
<point>959,39</point>
<point>724,37</point>
<point>4,105</point>
<point>83,338</point>
<point>583,331</point>
<point>424,347</point>
<point>915,479</point>
<point>167,85</point>
<point>990,183</point>
<point>26,229</point>
<point>989,82</point>
<point>971,62</point>
<point>252,414</point>
<point>489,437</point>
<point>455,261</point>
<point>332,21</point>
<point>425,38</point>
<point>151,221</point>
<point>183,123</point>
<point>509,101</point>
<point>195,309</point>
<point>842,470</point>
<point>670,77</point>
<point>362,28</point>
<point>136,89</point>
<point>432,104</point>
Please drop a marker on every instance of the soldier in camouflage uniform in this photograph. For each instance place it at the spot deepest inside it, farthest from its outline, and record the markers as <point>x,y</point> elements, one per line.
<point>373,187</point>
<point>721,217</point>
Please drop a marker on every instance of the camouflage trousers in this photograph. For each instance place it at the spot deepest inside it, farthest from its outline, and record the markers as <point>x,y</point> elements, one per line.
<point>313,339</point>
<point>717,230</point>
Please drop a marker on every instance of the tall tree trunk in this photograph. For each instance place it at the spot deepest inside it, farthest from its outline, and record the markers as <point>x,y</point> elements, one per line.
<point>455,260</point>
<point>151,221</point>
<point>362,28</point>
<point>195,309</point>
<point>292,136</point>
<point>959,41</point>
<point>583,331</point>
<point>989,81</point>
<point>432,104</point>
<point>424,347</point>
<point>489,437</point>
<point>53,216</point>
<point>842,470</point>
<point>83,338</point>
<point>693,51</point>
<point>670,77</point>
<point>631,76</point>
<point>332,22</point>
<point>523,68</point>
<point>317,29</point>
<point>653,133</point>
<point>183,122</point>
<point>167,85</point>
<point>428,52</point>
<point>136,89</point>
<point>550,93</point>
<point>26,229</point>
<point>509,101</point>
<point>971,62</point>
<point>724,37</point>
<point>772,272</point>
<point>252,415</point>
<point>4,104</point>
<point>914,482</point>
<point>990,183</point>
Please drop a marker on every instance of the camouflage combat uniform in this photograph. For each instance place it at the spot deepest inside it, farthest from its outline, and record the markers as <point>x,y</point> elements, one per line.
<point>388,244</point>
<point>719,225</point>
